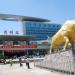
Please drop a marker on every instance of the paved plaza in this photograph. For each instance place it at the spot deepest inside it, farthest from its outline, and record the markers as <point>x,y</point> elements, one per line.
<point>17,70</point>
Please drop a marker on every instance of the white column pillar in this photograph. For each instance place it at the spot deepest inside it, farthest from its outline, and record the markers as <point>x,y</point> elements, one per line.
<point>24,27</point>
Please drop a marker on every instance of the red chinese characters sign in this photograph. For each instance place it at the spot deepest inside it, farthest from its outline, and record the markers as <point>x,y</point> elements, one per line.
<point>32,46</point>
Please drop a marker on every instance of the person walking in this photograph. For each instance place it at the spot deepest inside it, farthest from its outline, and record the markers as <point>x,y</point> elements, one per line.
<point>27,64</point>
<point>4,61</point>
<point>20,61</point>
<point>11,62</point>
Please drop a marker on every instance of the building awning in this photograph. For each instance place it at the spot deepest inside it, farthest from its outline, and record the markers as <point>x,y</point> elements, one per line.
<point>15,38</point>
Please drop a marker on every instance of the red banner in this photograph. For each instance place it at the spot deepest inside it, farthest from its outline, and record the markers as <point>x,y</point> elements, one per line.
<point>32,46</point>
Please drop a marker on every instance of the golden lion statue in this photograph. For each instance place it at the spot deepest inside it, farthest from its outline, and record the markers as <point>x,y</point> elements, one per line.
<point>64,36</point>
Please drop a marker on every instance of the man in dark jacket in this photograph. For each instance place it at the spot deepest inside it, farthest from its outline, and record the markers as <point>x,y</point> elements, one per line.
<point>20,61</point>
<point>27,64</point>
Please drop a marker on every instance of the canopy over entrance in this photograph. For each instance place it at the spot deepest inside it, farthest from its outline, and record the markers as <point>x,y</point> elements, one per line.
<point>15,38</point>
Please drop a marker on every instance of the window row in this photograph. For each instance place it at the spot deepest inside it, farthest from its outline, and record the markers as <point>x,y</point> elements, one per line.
<point>41,31</point>
<point>43,25</point>
<point>44,34</point>
<point>34,28</point>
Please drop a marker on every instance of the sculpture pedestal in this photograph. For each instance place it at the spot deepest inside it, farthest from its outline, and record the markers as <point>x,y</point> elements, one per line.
<point>62,62</point>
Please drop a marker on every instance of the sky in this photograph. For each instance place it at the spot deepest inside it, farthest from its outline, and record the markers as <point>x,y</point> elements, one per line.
<point>58,11</point>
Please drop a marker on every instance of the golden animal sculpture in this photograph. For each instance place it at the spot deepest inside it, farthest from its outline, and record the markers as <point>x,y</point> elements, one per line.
<point>64,36</point>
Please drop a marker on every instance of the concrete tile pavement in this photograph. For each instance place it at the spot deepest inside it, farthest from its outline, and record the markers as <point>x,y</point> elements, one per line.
<point>17,70</point>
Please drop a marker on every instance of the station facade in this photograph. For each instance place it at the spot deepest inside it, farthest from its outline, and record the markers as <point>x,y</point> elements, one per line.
<point>19,46</point>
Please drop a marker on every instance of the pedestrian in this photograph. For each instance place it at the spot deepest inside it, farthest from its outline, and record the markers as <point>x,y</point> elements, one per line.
<point>27,64</point>
<point>20,61</point>
<point>11,62</point>
<point>4,61</point>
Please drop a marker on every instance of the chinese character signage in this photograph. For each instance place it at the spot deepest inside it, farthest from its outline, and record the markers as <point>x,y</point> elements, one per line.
<point>11,32</point>
<point>32,46</point>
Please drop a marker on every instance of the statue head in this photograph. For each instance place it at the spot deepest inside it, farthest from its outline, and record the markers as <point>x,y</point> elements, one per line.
<point>57,41</point>
<point>53,46</point>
